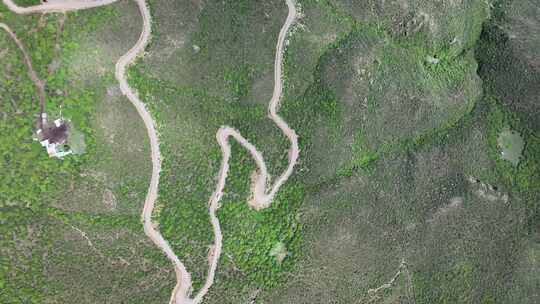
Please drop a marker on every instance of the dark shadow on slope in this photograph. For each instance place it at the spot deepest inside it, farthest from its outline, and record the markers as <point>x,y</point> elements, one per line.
<point>505,69</point>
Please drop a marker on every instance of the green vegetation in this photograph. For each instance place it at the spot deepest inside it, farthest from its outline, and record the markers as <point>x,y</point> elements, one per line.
<point>523,178</point>
<point>399,155</point>
<point>363,75</point>
<point>42,199</point>
<point>460,278</point>
<point>249,235</point>
<point>399,206</point>
<point>29,172</point>
<point>510,92</point>
<point>30,180</point>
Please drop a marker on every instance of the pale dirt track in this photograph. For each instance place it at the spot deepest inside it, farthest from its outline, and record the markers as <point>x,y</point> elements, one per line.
<point>40,84</point>
<point>261,197</point>
<point>57,6</point>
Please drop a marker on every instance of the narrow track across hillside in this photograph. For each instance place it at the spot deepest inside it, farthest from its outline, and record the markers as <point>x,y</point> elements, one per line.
<point>261,196</point>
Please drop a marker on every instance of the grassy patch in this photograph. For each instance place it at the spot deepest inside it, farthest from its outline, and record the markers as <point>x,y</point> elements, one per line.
<point>524,178</point>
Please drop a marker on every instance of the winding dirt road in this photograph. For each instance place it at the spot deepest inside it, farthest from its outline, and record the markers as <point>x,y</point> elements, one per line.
<point>261,197</point>
<point>38,83</point>
<point>56,6</point>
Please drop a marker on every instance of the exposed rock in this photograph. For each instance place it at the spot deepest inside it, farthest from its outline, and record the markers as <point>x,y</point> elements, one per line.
<point>279,251</point>
<point>113,91</point>
<point>432,60</point>
<point>487,191</point>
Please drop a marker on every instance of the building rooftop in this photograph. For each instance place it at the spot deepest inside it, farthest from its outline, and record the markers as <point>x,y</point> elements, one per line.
<point>53,136</point>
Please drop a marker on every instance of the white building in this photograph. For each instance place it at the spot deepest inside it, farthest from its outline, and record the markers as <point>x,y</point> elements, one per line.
<point>53,137</point>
